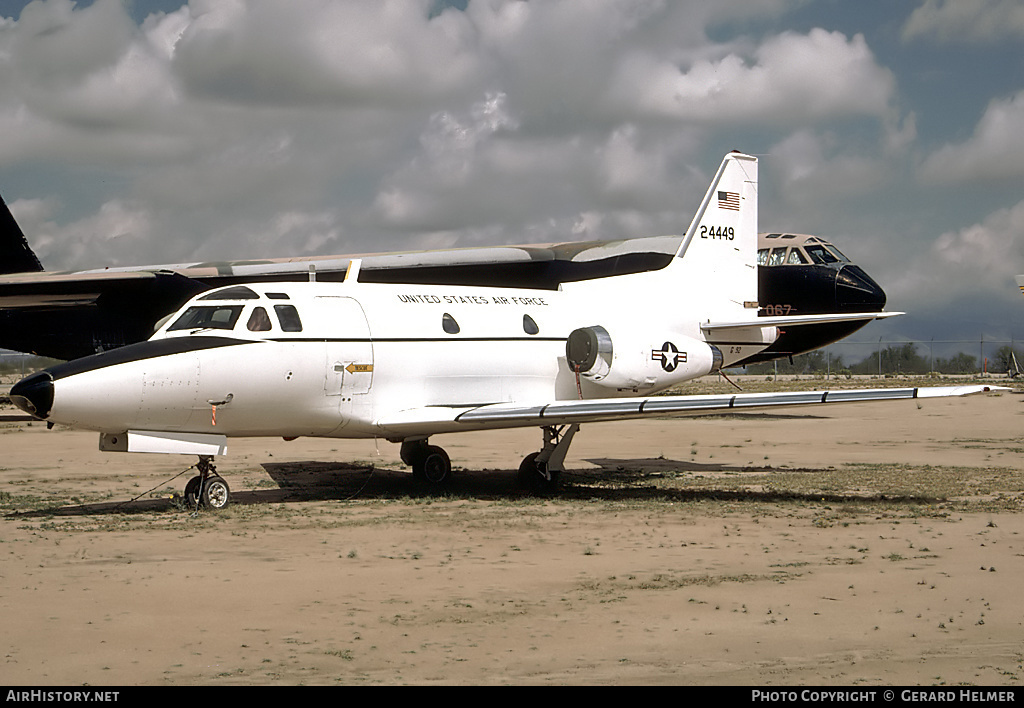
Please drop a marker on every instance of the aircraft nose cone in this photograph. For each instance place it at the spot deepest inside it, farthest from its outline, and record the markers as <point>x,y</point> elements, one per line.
<point>857,292</point>
<point>34,394</point>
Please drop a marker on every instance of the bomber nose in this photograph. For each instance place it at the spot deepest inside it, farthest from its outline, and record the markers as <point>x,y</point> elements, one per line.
<point>857,292</point>
<point>34,394</point>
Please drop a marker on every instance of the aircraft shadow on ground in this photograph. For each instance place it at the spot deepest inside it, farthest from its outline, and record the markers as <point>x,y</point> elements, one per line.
<point>615,480</point>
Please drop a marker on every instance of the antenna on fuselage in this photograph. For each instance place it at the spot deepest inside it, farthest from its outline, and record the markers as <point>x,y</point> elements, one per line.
<point>312,273</point>
<point>352,274</point>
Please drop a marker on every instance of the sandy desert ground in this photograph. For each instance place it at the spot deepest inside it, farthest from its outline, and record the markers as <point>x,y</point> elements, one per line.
<point>849,545</point>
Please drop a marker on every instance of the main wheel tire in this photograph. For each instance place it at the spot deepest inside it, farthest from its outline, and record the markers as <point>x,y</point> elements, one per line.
<point>434,468</point>
<point>532,478</point>
<point>413,451</point>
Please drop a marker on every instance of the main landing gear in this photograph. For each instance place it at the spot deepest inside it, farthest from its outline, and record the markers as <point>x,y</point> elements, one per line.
<point>430,463</point>
<point>207,489</point>
<point>538,473</point>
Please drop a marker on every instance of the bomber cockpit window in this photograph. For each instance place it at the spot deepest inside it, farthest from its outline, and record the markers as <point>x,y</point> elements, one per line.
<point>795,257</point>
<point>838,254</point>
<point>762,256</point>
<point>820,255</point>
<point>778,256</point>
<point>208,317</point>
<point>259,320</point>
<point>235,292</point>
<point>289,318</point>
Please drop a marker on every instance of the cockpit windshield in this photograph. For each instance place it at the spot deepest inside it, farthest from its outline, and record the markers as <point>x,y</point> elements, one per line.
<point>774,250</point>
<point>820,255</point>
<point>208,317</point>
<point>839,254</point>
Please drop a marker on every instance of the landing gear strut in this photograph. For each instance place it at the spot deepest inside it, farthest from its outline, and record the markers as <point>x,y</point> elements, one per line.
<point>207,489</point>
<point>539,472</point>
<point>430,463</point>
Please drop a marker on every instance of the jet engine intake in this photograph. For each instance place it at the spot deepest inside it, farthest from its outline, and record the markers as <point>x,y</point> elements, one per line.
<point>638,361</point>
<point>589,351</point>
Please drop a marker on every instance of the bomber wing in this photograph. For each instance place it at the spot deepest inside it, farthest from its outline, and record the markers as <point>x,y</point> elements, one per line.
<point>67,315</point>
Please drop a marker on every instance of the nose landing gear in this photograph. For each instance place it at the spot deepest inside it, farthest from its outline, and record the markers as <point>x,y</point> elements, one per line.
<point>207,489</point>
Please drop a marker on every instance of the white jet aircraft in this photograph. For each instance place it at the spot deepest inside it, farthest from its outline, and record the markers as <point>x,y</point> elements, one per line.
<point>405,362</point>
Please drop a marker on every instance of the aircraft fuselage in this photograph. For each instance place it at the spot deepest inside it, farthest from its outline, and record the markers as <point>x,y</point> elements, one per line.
<point>302,359</point>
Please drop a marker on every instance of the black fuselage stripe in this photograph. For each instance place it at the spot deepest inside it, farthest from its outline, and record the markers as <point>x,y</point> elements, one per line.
<point>141,351</point>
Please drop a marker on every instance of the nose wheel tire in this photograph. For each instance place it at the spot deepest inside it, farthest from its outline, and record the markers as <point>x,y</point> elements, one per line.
<point>207,489</point>
<point>214,494</point>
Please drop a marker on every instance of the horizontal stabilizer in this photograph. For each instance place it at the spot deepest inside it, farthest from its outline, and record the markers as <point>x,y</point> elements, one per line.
<point>796,320</point>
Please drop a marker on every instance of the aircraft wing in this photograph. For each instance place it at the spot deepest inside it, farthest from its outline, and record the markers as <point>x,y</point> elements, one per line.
<point>45,290</point>
<point>506,415</point>
<point>797,320</point>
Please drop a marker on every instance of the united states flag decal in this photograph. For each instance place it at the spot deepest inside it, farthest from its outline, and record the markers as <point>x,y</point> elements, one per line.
<point>729,200</point>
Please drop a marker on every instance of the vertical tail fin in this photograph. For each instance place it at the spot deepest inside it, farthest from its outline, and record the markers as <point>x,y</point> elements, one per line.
<point>15,254</point>
<point>717,264</point>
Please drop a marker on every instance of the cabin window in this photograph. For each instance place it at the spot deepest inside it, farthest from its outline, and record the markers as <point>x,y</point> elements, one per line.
<point>212,317</point>
<point>289,318</point>
<point>449,324</point>
<point>278,296</point>
<point>235,292</point>
<point>762,256</point>
<point>259,320</point>
<point>777,257</point>
<point>529,325</point>
<point>795,257</point>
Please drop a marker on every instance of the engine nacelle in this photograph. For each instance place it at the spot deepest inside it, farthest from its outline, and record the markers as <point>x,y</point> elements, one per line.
<point>634,361</point>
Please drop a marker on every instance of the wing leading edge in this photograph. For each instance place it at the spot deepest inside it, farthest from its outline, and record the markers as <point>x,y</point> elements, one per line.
<point>439,419</point>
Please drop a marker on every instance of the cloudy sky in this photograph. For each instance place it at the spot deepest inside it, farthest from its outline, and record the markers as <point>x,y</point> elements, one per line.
<point>160,131</point>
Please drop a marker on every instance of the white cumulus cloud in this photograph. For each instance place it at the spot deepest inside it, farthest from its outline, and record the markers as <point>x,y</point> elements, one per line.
<point>790,78</point>
<point>972,21</point>
<point>994,151</point>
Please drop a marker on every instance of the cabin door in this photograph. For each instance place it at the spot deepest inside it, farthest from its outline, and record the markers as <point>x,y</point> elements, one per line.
<point>349,350</point>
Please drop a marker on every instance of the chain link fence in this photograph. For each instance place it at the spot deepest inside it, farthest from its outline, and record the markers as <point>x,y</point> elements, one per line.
<point>15,366</point>
<point>904,358</point>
